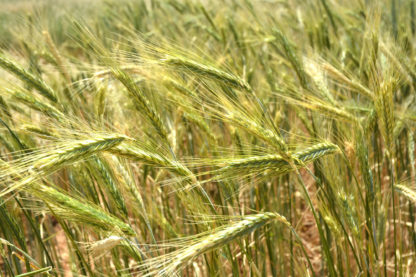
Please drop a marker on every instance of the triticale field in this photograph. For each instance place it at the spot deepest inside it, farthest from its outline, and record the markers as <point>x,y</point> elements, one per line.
<point>207,138</point>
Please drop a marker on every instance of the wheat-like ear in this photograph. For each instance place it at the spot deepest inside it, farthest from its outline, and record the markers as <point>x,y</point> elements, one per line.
<point>34,103</point>
<point>272,164</point>
<point>321,107</point>
<point>172,263</point>
<point>28,78</point>
<point>38,130</point>
<point>133,152</point>
<point>31,167</point>
<point>142,102</point>
<point>99,247</point>
<point>76,151</point>
<point>80,211</point>
<point>256,129</point>
<point>292,57</point>
<point>58,58</point>
<point>207,71</point>
<point>68,207</point>
<point>406,191</point>
<point>385,111</point>
<point>343,79</point>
